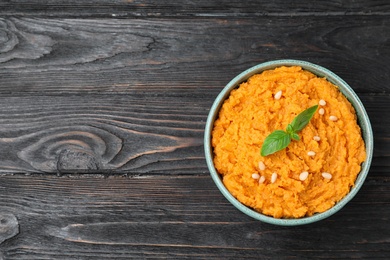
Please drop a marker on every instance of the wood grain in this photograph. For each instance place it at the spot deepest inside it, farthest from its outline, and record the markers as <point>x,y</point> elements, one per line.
<point>185,8</point>
<point>99,134</point>
<point>160,217</point>
<point>9,226</point>
<point>135,56</point>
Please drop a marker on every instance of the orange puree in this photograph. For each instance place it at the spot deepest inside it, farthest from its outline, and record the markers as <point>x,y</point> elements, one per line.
<point>252,112</point>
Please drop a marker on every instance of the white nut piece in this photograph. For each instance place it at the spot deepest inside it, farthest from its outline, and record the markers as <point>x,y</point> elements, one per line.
<point>303,176</point>
<point>327,175</point>
<point>255,176</point>
<point>322,102</point>
<point>321,111</point>
<point>262,179</point>
<point>311,153</point>
<point>274,177</point>
<point>333,118</point>
<point>261,166</point>
<point>278,95</point>
<point>316,138</point>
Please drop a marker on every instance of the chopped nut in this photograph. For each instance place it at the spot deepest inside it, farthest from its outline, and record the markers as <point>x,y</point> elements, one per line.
<point>262,179</point>
<point>274,177</point>
<point>321,111</point>
<point>255,176</point>
<point>333,118</point>
<point>322,102</point>
<point>327,175</point>
<point>278,95</point>
<point>261,166</point>
<point>311,153</point>
<point>316,138</point>
<point>303,176</point>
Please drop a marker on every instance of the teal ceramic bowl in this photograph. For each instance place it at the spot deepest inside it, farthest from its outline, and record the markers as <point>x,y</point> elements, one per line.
<point>363,121</point>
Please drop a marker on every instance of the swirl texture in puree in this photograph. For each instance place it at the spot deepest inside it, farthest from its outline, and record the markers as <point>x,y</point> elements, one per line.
<point>252,112</point>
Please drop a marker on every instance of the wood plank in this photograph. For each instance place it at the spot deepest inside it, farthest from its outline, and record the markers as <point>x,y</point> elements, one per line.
<point>102,133</point>
<point>171,57</point>
<point>185,8</point>
<point>122,134</point>
<point>119,217</point>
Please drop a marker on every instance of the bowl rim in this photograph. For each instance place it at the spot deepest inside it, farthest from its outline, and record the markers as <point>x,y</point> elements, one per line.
<point>362,118</point>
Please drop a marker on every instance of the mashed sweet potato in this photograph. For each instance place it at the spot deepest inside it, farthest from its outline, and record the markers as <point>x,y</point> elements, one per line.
<point>252,112</point>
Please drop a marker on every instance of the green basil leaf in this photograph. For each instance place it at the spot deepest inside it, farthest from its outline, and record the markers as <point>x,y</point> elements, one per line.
<point>295,136</point>
<point>301,120</point>
<point>290,129</point>
<point>276,141</point>
<point>280,139</point>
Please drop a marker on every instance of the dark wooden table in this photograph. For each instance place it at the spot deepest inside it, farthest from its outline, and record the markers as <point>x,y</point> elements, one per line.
<point>102,112</point>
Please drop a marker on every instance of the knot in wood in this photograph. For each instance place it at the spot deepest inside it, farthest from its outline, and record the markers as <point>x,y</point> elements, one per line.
<point>77,160</point>
<point>21,44</point>
<point>8,39</point>
<point>9,226</point>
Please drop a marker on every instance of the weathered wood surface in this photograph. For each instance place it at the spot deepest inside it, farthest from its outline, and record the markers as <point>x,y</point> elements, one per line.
<point>135,56</point>
<point>159,217</point>
<point>102,111</point>
<point>185,8</point>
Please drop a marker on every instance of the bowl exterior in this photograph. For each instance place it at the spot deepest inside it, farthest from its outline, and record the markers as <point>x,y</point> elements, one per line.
<point>363,121</point>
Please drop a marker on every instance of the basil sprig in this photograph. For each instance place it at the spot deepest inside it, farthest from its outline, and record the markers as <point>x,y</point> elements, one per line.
<point>279,139</point>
